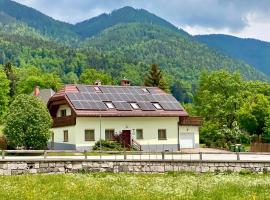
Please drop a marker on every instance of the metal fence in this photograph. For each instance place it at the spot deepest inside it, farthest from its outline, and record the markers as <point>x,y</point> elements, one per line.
<point>132,155</point>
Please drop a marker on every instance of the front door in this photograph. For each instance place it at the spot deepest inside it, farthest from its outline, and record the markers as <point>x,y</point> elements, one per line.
<point>126,135</point>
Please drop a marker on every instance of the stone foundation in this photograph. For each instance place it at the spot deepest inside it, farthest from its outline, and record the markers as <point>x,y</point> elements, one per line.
<point>71,166</point>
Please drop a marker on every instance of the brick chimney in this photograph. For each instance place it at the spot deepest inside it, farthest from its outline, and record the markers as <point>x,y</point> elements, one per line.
<point>36,91</point>
<point>125,82</point>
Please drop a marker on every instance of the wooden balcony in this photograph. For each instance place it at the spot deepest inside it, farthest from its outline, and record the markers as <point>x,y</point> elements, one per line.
<point>64,121</point>
<point>191,121</point>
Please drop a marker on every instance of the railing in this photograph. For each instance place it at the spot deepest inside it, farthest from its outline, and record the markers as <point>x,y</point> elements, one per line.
<point>64,121</point>
<point>133,156</point>
<point>135,145</point>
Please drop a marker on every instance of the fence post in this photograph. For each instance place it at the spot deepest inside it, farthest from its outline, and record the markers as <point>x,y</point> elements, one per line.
<point>200,153</point>
<point>125,154</point>
<point>3,154</point>
<point>85,154</point>
<point>45,154</point>
<point>238,156</point>
<point>163,155</point>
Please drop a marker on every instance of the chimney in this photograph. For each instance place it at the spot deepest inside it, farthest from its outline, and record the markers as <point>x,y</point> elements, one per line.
<point>97,82</point>
<point>36,91</point>
<point>125,82</point>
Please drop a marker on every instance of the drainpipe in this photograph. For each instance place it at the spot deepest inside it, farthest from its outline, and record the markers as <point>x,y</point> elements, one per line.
<point>178,136</point>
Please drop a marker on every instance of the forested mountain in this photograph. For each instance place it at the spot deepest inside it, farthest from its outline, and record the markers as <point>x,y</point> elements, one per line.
<point>251,51</point>
<point>123,15</point>
<point>123,44</point>
<point>42,23</point>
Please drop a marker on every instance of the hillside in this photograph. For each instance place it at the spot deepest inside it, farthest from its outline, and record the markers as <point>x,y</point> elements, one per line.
<point>251,51</point>
<point>40,22</point>
<point>179,55</point>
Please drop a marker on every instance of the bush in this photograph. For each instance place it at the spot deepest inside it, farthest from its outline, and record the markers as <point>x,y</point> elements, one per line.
<point>108,146</point>
<point>28,123</point>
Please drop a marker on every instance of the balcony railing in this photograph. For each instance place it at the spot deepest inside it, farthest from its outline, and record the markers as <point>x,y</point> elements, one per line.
<point>191,121</point>
<point>64,121</point>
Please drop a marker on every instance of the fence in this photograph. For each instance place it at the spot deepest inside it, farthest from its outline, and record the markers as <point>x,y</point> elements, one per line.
<point>132,155</point>
<point>260,147</point>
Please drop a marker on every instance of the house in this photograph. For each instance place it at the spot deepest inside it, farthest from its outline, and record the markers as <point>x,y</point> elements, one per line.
<point>143,117</point>
<point>43,94</point>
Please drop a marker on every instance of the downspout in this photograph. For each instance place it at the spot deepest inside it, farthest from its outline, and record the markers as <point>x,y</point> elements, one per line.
<point>178,136</point>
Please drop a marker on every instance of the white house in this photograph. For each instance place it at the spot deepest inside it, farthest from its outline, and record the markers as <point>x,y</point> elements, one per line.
<point>143,117</point>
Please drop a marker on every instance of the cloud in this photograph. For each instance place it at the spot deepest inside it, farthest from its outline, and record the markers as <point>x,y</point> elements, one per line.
<point>234,16</point>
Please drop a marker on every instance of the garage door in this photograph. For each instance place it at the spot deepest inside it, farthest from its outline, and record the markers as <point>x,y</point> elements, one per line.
<point>186,140</point>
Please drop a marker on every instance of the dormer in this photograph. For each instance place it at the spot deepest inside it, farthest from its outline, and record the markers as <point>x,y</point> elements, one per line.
<point>63,111</point>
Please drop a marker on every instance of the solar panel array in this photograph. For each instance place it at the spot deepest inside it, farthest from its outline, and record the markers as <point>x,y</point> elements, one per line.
<point>88,98</point>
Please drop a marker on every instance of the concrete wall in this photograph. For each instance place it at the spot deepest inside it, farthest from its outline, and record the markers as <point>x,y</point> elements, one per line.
<point>72,166</point>
<point>150,126</point>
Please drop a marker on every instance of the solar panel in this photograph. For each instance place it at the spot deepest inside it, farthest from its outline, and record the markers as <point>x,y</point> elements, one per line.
<point>82,88</point>
<point>72,96</point>
<point>171,106</point>
<point>77,105</point>
<point>124,106</point>
<point>146,106</point>
<point>90,89</point>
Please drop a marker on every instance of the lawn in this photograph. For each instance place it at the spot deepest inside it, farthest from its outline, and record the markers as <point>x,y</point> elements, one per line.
<point>136,186</point>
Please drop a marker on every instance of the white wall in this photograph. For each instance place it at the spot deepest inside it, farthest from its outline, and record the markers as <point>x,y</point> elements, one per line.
<point>63,107</point>
<point>192,130</point>
<point>150,126</point>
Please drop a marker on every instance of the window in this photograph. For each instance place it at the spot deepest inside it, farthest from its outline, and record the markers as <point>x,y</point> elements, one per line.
<point>157,106</point>
<point>139,134</point>
<point>109,105</point>
<point>66,136</point>
<point>145,90</point>
<point>97,89</point>
<point>63,113</point>
<point>162,134</point>
<point>134,106</point>
<point>89,135</point>
<point>109,134</point>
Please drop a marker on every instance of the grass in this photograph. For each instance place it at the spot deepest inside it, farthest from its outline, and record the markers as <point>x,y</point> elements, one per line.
<point>136,186</point>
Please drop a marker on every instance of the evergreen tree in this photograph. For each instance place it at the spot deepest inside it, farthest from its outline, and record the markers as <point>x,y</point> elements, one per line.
<point>155,78</point>
<point>11,77</point>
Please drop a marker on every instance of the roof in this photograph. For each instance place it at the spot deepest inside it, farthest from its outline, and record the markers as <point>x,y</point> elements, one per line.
<point>90,100</point>
<point>45,95</point>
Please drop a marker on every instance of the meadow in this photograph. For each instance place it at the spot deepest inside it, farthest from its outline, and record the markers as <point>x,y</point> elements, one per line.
<point>136,186</point>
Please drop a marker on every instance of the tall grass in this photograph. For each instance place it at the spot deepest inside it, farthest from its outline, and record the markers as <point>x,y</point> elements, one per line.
<point>135,186</point>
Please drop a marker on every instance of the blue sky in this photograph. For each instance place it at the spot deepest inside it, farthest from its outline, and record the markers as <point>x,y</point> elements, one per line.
<point>244,18</point>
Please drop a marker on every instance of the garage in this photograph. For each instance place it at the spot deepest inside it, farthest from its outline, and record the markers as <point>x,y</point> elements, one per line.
<point>187,140</point>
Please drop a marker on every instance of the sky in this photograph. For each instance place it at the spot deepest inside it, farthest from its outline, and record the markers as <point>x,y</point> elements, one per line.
<point>242,18</point>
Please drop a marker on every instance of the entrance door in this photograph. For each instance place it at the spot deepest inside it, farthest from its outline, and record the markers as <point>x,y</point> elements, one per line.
<point>186,140</point>
<point>126,138</point>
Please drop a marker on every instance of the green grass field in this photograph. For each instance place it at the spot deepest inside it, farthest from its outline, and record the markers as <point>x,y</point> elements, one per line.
<point>135,186</point>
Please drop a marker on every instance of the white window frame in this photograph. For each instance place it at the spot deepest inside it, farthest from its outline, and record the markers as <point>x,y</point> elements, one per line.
<point>109,105</point>
<point>135,106</point>
<point>157,106</point>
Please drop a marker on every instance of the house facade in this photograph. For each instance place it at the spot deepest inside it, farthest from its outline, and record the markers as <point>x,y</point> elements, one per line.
<point>143,116</point>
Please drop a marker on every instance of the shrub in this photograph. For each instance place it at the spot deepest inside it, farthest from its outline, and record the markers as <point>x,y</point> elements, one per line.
<point>28,123</point>
<point>108,146</point>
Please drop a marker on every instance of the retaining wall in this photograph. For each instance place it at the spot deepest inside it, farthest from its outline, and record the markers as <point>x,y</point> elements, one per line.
<point>72,166</point>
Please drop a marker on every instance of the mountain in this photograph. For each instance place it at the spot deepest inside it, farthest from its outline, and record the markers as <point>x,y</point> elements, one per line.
<point>178,54</point>
<point>124,44</point>
<point>44,24</point>
<point>251,51</point>
<point>123,15</point>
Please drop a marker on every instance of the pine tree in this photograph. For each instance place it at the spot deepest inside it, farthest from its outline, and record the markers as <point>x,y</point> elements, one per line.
<point>155,78</point>
<point>11,77</point>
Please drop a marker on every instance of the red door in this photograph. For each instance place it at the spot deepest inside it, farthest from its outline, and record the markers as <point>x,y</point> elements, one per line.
<point>126,137</point>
